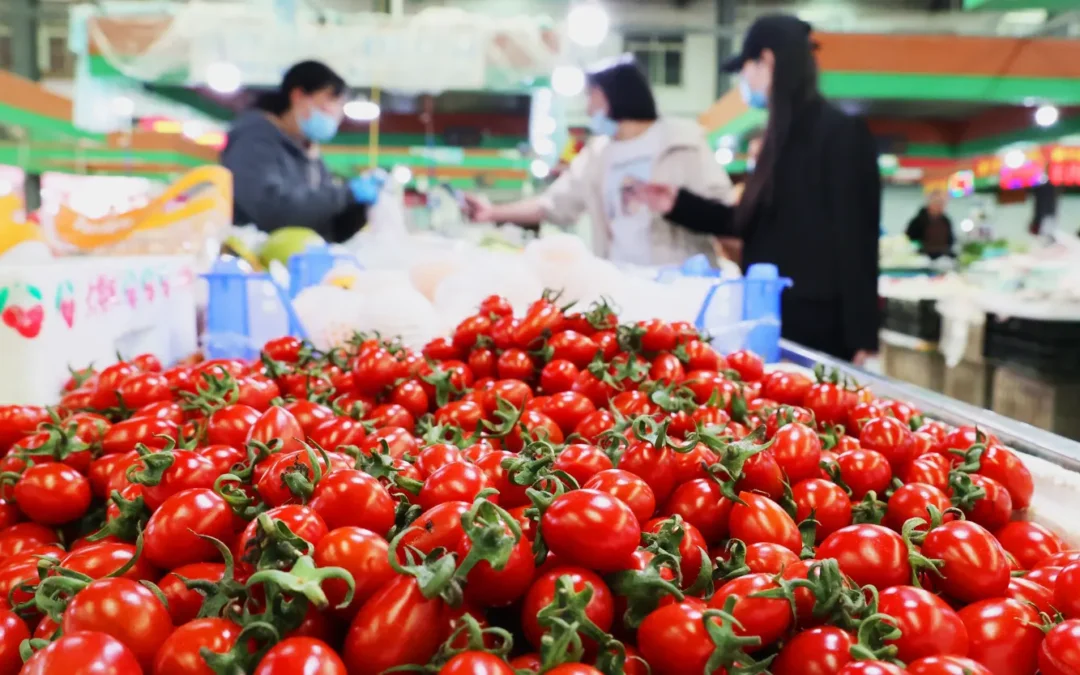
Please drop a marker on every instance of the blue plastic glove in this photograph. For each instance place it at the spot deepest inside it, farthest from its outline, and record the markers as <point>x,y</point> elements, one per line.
<point>366,188</point>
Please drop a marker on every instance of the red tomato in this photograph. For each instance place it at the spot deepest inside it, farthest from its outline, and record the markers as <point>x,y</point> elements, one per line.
<point>673,639</point>
<point>975,567</point>
<point>947,665</point>
<point>172,534</point>
<point>124,436</point>
<point>1006,468</point>
<point>701,504</point>
<point>914,500</point>
<point>52,494</point>
<point>83,652</point>
<point>397,626</point>
<point>600,608</point>
<point>571,525</point>
<point>582,461</point>
<point>760,519</point>
<point>869,554</point>
<point>764,618</point>
<point>993,510</point>
<point>1060,650</point>
<point>656,466</point>
<point>1066,598</point>
<point>375,371</point>
<point>871,668</point>
<point>574,347</point>
<point>353,498</point>
<point>1029,542</point>
<point>797,450</point>
<point>1003,635</point>
<point>23,537</point>
<point>107,606</point>
<point>476,663</point>
<point>748,365</point>
<point>1028,591</point>
<point>700,355</point>
<point>830,403</point>
<point>827,501</point>
<point>567,409</point>
<point>486,586</point>
<point>864,471</point>
<point>818,651</point>
<point>180,654</point>
<point>104,558</point>
<point>439,527</point>
<point>787,388</point>
<point>559,376</point>
<point>457,481</point>
<point>230,425</point>
<point>184,603</point>
<point>628,488</point>
<point>931,469</point>
<point>301,655</point>
<point>12,632</point>
<point>928,626</point>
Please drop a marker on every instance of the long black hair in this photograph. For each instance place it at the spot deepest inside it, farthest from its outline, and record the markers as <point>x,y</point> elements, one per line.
<point>626,89</point>
<point>307,76</point>
<point>794,89</point>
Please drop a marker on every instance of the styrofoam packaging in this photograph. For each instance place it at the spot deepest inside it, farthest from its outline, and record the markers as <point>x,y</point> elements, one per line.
<point>81,311</point>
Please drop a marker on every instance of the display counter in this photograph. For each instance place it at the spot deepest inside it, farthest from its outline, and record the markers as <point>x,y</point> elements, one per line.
<point>1054,461</point>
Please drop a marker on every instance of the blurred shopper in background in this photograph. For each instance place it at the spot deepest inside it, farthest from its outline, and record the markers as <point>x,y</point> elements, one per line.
<point>754,141</point>
<point>812,205</point>
<point>931,229</point>
<point>731,247</point>
<point>630,143</point>
<point>279,177</point>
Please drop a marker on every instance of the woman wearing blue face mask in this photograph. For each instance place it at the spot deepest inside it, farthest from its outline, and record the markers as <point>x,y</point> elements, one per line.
<point>630,143</point>
<point>811,206</point>
<point>279,178</point>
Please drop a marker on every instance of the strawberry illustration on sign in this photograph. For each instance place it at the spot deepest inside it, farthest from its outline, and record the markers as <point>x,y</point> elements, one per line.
<point>149,285</point>
<point>131,291</point>
<point>65,302</point>
<point>26,321</point>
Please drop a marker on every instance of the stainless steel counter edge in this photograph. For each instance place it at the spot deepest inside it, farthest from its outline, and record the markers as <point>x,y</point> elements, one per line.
<point>1017,435</point>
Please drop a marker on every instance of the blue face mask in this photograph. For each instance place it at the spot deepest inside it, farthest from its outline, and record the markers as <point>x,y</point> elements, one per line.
<point>602,125</point>
<point>750,164</point>
<point>319,126</point>
<point>754,99</point>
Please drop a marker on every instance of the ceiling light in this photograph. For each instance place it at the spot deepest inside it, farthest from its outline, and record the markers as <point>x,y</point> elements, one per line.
<point>224,78</point>
<point>568,80</point>
<point>1046,115</point>
<point>588,24</point>
<point>362,111</point>
<point>540,169</point>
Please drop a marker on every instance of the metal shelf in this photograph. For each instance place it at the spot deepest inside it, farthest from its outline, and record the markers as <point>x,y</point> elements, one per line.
<point>1017,435</point>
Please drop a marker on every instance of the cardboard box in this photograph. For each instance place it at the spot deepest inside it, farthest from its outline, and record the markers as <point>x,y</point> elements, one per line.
<point>1048,405</point>
<point>921,367</point>
<point>970,382</point>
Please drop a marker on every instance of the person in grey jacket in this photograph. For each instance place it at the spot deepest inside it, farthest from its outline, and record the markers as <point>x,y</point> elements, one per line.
<point>279,178</point>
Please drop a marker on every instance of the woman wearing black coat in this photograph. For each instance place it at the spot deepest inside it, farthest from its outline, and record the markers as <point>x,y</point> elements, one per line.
<point>812,206</point>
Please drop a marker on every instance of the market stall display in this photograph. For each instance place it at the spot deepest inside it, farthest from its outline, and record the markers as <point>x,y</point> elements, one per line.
<point>556,492</point>
<point>998,333</point>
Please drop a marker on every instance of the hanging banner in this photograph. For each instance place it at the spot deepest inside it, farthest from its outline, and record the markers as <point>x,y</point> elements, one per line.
<point>439,49</point>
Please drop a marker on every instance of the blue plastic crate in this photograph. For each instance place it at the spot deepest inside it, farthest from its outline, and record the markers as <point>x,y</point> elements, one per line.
<point>739,313</point>
<point>311,267</point>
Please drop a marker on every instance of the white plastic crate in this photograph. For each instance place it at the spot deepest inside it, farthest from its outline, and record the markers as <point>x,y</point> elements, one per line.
<point>81,311</point>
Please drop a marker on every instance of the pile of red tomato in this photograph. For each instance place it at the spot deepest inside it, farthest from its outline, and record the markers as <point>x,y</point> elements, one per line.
<point>555,493</point>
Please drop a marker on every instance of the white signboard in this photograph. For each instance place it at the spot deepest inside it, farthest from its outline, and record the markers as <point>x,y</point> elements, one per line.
<point>401,57</point>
